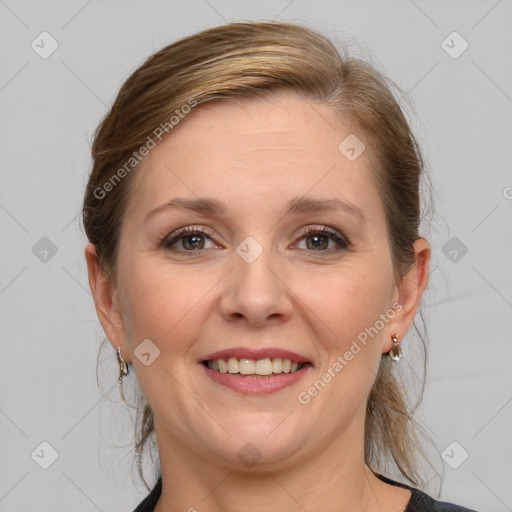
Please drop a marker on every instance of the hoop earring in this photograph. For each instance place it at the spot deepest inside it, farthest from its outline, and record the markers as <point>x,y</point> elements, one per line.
<point>123,371</point>
<point>396,352</point>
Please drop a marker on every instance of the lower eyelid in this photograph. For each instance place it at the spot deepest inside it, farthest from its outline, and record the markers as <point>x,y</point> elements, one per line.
<point>338,238</point>
<point>170,241</point>
<point>331,233</point>
<point>342,243</point>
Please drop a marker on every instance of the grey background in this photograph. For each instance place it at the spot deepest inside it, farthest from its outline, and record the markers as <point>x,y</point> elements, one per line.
<point>50,332</point>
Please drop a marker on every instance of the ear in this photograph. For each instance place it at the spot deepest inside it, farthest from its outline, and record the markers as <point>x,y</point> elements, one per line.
<point>105,295</point>
<point>408,294</point>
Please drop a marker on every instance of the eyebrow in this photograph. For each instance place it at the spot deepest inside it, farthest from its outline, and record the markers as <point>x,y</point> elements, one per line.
<point>295,206</point>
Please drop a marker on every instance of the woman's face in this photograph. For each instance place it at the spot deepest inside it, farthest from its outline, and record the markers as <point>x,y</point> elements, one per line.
<point>257,279</point>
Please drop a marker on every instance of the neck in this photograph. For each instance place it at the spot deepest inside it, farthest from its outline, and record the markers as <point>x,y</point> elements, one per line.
<point>333,480</point>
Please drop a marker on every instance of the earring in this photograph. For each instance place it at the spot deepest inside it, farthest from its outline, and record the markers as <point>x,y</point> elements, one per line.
<point>396,352</point>
<point>123,371</point>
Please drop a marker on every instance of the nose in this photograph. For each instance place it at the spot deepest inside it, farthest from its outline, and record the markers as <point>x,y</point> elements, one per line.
<point>256,293</point>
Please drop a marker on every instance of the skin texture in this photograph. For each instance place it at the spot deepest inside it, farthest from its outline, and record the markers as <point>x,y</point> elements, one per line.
<point>256,155</point>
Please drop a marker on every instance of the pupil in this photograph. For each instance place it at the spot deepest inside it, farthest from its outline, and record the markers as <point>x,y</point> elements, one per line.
<point>315,241</point>
<point>195,238</point>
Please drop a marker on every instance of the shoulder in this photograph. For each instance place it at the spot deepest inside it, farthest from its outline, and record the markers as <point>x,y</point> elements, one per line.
<point>419,502</point>
<point>422,502</point>
<point>148,504</point>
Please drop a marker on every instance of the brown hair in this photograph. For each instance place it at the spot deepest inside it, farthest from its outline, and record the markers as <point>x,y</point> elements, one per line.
<point>244,60</point>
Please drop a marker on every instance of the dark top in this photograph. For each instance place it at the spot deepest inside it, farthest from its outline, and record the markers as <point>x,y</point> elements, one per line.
<point>419,502</point>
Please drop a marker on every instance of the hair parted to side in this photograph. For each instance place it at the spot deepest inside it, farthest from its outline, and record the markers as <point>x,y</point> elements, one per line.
<point>250,60</point>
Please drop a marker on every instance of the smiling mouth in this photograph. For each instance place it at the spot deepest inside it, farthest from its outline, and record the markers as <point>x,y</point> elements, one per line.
<point>254,368</point>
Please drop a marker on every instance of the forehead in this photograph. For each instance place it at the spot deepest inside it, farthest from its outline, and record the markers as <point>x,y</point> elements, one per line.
<point>267,150</point>
<point>283,122</point>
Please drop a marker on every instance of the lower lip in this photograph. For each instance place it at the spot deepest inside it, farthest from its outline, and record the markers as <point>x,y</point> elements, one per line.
<point>255,386</point>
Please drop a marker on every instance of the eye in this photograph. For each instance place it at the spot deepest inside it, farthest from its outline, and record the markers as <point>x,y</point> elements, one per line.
<point>320,236</point>
<point>191,239</point>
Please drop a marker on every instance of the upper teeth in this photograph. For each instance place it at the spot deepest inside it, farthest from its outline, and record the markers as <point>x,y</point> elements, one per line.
<point>244,366</point>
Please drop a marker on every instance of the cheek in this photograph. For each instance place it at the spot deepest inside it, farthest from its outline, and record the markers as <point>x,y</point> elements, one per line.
<point>157,304</point>
<point>348,303</point>
<point>345,305</point>
<point>165,307</point>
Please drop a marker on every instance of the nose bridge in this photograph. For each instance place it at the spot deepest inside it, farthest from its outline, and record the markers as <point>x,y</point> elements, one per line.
<point>256,289</point>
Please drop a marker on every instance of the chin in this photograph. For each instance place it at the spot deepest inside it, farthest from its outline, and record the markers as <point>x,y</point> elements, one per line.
<point>263,443</point>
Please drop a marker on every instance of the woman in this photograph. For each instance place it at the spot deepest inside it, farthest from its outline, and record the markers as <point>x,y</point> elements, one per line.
<point>254,254</point>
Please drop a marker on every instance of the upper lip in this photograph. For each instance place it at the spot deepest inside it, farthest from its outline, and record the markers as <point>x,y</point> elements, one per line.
<point>256,354</point>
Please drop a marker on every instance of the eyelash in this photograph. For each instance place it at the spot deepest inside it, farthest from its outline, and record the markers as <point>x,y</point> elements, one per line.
<point>341,240</point>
